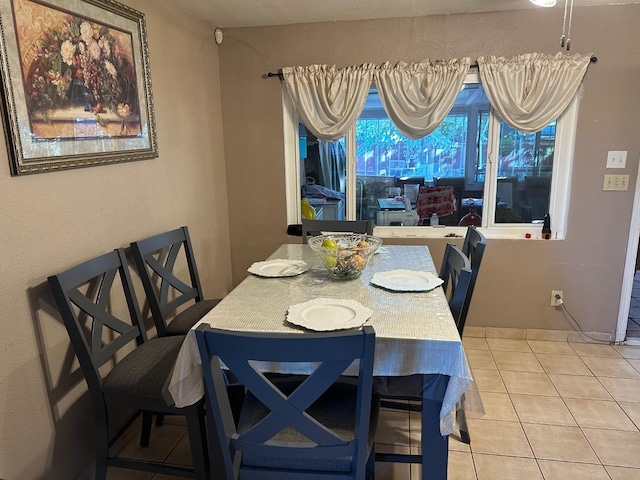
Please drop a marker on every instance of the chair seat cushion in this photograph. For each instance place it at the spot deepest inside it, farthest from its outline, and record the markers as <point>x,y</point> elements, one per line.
<point>145,371</point>
<point>182,323</point>
<point>335,409</point>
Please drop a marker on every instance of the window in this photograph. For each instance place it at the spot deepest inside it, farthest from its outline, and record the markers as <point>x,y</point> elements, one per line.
<point>497,176</point>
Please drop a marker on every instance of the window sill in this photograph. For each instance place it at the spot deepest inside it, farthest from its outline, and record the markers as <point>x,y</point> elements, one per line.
<point>515,232</point>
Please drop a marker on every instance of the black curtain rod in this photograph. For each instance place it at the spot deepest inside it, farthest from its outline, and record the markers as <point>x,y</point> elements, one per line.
<point>594,59</point>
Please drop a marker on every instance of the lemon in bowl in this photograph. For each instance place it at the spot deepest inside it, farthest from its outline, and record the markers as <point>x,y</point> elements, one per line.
<point>345,256</point>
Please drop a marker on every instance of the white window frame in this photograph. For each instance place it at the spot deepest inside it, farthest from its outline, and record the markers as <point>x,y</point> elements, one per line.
<point>560,183</point>
<point>292,171</point>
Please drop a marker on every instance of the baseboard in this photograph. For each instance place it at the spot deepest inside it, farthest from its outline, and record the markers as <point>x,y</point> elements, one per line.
<point>539,334</point>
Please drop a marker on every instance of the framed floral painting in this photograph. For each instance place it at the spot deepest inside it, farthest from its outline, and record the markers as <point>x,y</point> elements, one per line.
<point>76,84</point>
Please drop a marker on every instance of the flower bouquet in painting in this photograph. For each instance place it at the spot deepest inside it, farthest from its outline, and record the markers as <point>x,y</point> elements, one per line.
<point>79,76</point>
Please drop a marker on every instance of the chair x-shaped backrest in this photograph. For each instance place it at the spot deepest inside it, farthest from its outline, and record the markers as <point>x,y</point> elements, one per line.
<point>473,247</point>
<point>156,259</point>
<point>331,353</point>
<point>456,273</point>
<point>84,295</point>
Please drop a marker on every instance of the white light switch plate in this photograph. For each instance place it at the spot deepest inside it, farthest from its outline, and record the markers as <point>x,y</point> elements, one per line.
<point>617,159</point>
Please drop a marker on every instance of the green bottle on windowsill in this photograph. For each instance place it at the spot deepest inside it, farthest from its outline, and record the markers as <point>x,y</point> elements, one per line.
<point>546,227</point>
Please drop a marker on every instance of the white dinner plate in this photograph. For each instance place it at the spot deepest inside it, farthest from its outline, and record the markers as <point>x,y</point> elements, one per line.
<point>325,314</point>
<point>278,268</point>
<point>406,280</point>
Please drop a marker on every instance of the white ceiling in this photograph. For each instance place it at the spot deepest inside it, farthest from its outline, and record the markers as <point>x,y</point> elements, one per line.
<point>251,13</point>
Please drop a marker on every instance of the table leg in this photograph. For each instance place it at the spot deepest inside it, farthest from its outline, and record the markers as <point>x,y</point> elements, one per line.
<point>435,447</point>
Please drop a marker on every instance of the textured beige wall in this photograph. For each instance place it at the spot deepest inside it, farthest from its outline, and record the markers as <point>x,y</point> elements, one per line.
<point>52,221</point>
<point>517,275</point>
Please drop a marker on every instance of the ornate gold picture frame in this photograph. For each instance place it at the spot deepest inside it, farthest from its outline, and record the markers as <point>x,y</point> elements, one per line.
<point>76,84</point>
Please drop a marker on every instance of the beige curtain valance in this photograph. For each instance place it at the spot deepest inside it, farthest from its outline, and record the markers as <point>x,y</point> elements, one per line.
<point>418,96</point>
<point>530,91</point>
<point>527,91</point>
<point>329,100</point>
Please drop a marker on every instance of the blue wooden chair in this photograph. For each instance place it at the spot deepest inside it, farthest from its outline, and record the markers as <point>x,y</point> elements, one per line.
<point>473,247</point>
<point>310,428</point>
<point>456,273</point>
<point>166,290</point>
<point>140,368</point>
<point>459,278</point>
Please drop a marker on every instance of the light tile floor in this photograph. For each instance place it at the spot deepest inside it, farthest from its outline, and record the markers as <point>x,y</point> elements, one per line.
<point>554,411</point>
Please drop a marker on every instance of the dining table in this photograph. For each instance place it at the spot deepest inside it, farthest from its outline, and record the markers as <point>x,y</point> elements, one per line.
<point>418,348</point>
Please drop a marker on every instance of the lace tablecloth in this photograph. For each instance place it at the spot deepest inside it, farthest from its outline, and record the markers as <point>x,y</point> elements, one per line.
<point>415,331</point>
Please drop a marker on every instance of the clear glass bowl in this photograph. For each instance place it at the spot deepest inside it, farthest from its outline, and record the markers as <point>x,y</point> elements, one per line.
<point>345,256</point>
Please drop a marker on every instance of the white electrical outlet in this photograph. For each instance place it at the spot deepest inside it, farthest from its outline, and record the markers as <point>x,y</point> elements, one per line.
<point>557,298</point>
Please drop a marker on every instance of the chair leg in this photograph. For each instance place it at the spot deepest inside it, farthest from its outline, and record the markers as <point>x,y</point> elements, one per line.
<point>145,434</point>
<point>198,440</point>
<point>461,418</point>
<point>102,445</point>
<point>147,421</point>
<point>371,465</point>
<point>436,456</point>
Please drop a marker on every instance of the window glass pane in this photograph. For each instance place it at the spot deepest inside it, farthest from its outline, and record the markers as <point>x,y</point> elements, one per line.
<point>455,156</point>
<point>389,164</point>
<point>452,159</point>
<point>525,166</point>
<point>323,176</point>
